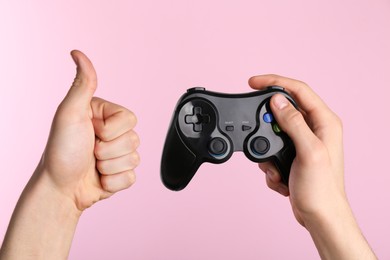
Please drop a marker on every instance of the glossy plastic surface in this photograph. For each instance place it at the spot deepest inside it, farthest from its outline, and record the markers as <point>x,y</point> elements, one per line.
<point>209,126</point>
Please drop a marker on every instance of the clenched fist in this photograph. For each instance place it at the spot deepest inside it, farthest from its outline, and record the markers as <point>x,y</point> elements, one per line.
<point>91,151</point>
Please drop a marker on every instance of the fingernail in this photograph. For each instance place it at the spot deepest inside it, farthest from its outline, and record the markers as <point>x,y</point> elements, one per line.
<point>280,101</point>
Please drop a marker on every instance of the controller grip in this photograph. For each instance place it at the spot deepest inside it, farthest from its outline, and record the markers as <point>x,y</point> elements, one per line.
<point>179,164</point>
<point>283,161</point>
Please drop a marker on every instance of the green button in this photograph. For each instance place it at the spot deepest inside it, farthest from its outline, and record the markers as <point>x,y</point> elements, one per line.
<point>276,128</point>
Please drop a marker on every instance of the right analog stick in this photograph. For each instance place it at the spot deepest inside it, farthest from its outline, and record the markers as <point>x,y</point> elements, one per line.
<point>260,145</point>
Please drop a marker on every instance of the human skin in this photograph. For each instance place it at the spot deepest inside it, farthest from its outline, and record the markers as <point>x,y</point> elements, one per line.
<point>90,155</point>
<point>316,185</point>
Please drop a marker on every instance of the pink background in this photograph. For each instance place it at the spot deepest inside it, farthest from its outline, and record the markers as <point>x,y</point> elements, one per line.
<point>147,53</point>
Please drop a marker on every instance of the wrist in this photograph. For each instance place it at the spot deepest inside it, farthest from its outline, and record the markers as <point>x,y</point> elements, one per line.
<point>327,211</point>
<point>43,222</point>
<point>336,233</point>
<point>338,212</point>
<point>44,189</point>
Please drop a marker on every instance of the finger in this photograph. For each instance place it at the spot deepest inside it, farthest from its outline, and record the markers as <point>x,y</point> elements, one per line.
<point>111,120</point>
<point>273,179</point>
<point>267,167</point>
<point>117,182</point>
<point>124,144</point>
<point>276,186</point>
<point>118,165</point>
<point>84,84</point>
<point>307,99</point>
<point>320,118</point>
<point>292,122</point>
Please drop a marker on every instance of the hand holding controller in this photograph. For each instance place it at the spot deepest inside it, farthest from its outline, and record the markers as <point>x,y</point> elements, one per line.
<point>209,127</point>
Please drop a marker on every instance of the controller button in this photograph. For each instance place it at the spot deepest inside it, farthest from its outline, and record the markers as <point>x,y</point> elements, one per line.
<point>198,128</point>
<point>217,146</point>
<point>229,128</point>
<point>197,119</point>
<point>246,128</point>
<point>276,128</point>
<point>275,88</point>
<point>195,89</point>
<point>188,119</point>
<point>260,145</point>
<point>268,117</point>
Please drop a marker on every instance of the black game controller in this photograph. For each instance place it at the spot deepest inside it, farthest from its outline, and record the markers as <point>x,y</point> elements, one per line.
<point>209,126</point>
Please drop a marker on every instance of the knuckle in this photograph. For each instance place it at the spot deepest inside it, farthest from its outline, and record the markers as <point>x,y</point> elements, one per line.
<point>135,158</point>
<point>302,87</point>
<point>99,150</point>
<point>106,184</point>
<point>274,77</point>
<point>77,81</point>
<point>131,178</point>
<point>128,119</point>
<point>294,118</point>
<point>318,154</point>
<point>132,119</point>
<point>101,166</point>
<point>105,134</point>
<point>128,116</point>
<point>134,139</point>
<point>271,184</point>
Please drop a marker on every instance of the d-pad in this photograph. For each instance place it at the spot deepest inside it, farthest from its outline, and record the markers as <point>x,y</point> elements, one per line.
<point>197,119</point>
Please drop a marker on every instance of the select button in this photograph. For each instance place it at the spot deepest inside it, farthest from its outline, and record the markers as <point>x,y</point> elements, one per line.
<point>229,128</point>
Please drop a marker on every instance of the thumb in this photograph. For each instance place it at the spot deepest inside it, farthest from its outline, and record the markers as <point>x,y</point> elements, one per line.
<point>293,123</point>
<point>84,84</point>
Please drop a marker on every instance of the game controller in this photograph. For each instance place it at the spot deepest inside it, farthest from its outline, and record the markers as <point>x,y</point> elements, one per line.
<point>209,126</point>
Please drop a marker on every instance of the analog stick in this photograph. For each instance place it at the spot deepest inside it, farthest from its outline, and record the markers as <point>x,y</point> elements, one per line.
<point>260,145</point>
<point>217,146</point>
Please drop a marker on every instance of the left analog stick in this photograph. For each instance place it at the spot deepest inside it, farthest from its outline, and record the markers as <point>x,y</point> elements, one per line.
<point>217,146</point>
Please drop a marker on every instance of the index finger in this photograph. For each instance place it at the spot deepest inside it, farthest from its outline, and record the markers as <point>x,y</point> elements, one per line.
<point>111,120</point>
<point>309,101</point>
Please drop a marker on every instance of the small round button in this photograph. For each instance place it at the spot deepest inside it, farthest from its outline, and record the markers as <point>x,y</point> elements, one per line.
<point>217,146</point>
<point>195,89</point>
<point>268,117</point>
<point>275,88</point>
<point>260,145</point>
<point>276,128</point>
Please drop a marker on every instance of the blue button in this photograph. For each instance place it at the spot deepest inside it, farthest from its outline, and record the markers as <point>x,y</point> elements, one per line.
<point>268,117</point>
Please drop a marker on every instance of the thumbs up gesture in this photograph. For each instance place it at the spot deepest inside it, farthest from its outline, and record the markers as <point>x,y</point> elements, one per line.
<point>91,151</point>
<point>90,155</point>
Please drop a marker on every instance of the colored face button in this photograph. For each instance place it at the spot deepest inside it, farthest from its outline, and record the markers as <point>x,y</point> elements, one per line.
<point>276,128</point>
<point>268,117</point>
